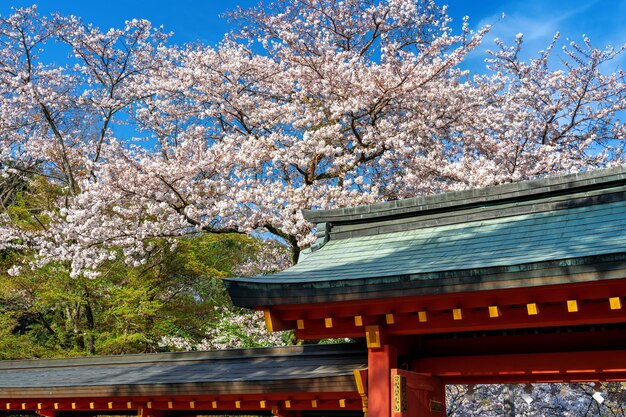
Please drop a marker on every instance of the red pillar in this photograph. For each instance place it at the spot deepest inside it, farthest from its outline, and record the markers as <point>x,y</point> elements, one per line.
<point>380,362</point>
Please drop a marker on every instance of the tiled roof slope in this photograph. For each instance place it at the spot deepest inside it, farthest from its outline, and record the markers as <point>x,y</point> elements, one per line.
<point>559,226</point>
<point>239,371</point>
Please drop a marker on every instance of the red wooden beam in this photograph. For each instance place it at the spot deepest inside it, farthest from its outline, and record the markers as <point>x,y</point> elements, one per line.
<point>597,290</point>
<point>296,401</point>
<point>521,341</point>
<point>539,367</point>
<point>535,379</point>
<point>597,302</point>
<point>554,314</point>
<point>417,395</point>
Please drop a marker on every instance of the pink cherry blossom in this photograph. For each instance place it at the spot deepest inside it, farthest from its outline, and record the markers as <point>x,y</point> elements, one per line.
<point>310,104</point>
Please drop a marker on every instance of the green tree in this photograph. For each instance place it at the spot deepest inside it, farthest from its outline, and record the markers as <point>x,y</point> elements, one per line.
<point>173,299</point>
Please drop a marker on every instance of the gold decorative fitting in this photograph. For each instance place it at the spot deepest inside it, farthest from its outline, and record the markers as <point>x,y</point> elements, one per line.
<point>268,320</point>
<point>422,316</point>
<point>572,306</point>
<point>399,394</point>
<point>494,311</point>
<point>372,336</point>
<point>615,303</point>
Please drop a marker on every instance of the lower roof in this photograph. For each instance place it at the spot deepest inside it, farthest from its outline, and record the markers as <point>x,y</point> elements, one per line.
<point>311,368</point>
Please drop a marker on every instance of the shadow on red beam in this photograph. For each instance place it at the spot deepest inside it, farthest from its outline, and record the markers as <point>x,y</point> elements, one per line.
<point>538,367</point>
<point>542,294</point>
<point>471,319</point>
<point>536,378</point>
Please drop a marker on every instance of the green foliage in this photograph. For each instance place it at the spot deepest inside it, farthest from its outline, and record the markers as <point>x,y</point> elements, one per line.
<point>175,300</point>
<point>32,201</point>
<point>127,309</point>
<point>45,313</point>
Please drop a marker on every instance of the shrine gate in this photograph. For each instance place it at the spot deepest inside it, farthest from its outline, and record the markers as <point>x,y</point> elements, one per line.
<point>515,283</point>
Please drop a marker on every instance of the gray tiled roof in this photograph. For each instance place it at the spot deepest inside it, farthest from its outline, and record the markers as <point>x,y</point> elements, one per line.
<point>563,234</point>
<point>482,235</point>
<point>239,371</point>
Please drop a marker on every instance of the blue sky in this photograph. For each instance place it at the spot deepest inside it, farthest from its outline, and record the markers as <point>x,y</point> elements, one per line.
<point>604,21</point>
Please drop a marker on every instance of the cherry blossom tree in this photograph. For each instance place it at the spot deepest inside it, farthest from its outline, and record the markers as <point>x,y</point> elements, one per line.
<point>308,104</point>
<point>55,121</point>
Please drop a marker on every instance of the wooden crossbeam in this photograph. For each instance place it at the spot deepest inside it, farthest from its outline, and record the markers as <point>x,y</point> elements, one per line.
<point>537,302</point>
<point>567,312</point>
<point>531,367</point>
<point>161,406</point>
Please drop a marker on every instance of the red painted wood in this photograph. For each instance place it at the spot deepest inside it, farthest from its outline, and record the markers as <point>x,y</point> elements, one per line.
<point>538,367</point>
<point>521,341</point>
<point>423,395</point>
<point>593,289</point>
<point>513,317</point>
<point>247,402</point>
<point>539,378</point>
<point>592,298</point>
<point>380,363</point>
<point>285,316</point>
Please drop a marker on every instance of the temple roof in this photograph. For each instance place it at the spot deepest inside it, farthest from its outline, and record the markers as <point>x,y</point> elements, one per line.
<point>324,368</point>
<point>548,231</point>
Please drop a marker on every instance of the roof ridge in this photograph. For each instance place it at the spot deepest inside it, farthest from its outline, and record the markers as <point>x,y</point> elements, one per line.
<point>490,195</point>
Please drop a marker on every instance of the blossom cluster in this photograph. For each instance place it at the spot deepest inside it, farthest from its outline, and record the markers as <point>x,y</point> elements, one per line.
<point>310,104</point>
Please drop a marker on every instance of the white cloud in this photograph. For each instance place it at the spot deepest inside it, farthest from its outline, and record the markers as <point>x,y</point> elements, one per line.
<point>539,20</point>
